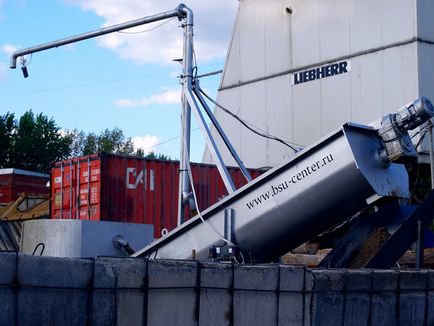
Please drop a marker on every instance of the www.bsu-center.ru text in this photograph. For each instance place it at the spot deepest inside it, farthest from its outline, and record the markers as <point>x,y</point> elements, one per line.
<point>276,189</point>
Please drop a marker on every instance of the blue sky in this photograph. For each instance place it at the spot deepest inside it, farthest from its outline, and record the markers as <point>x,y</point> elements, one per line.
<point>122,80</point>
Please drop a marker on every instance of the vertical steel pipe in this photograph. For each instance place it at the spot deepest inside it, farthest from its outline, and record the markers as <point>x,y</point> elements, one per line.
<point>187,78</point>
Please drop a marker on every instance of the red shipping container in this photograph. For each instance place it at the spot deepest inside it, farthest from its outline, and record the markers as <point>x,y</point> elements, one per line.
<point>129,189</point>
<point>15,181</point>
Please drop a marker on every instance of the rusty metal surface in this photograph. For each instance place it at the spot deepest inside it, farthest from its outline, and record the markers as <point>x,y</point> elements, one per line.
<point>26,207</point>
<point>118,188</point>
<point>13,182</point>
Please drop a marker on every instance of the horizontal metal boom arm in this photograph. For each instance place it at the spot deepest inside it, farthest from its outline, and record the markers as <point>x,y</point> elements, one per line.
<point>178,12</point>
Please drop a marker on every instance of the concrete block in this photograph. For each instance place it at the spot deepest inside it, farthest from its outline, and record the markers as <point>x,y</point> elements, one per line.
<point>129,299</point>
<point>80,238</point>
<point>412,303</point>
<point>53,290</point>
<point>215,305</point>
<point>104,294</point>
<point>326,305</point>
<point>291,305</point>
<point>7,293</point>
<point>358,298</point>
<point>430,298</point>
<point>255,307</point>
<point>172,306</point>
<point>383,306</point>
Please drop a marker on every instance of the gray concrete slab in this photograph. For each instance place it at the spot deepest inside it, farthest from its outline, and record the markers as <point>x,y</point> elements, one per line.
<point>430,298</point>
<point>175,305</point>
<point>327,300</point>
<point>255,307</point>
<point>412,304</point>
<point>114,291</point>
<point>384,300</point>
<point>53,290</point>
<point>7,293</point>
<point>130,275</point>
<point>104,296</point>
<point>291,304</point>
<point>80,238</point>
<point>358,297</point>
<point>216,304</point>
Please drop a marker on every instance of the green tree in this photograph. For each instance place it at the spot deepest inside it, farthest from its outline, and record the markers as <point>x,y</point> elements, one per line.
<point>32,142</point>
<point>109,141</point>
<point>114,141</point>
<point>159,156</point>
<point>7,128</point>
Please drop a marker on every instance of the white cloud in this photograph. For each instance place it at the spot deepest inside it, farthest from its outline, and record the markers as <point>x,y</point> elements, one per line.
<point>213,25</point>
<point>166,97</point>
<point>125,103</point>
<point>8,49</point>
<point>146,143</point>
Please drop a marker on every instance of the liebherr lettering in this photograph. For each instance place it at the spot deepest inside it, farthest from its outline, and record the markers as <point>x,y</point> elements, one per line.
<point>294,179</point>
<point>321,72</point>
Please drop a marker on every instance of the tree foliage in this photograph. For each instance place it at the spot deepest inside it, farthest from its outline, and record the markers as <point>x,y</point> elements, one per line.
<point>109,141</point>
<point>32,142</point>
<point>159,156</point>
<point>7,126</point>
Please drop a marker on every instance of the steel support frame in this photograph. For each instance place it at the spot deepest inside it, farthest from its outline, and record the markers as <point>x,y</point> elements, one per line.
<point>185,15</point>
<point>220,131</point>
<point>210,141</point>
<point>186,81</point>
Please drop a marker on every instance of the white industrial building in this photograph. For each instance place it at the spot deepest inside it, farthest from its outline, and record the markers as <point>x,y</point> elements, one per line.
<point>298,69</point>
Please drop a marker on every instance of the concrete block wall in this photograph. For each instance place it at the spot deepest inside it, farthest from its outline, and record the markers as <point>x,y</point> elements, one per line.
<point>124,291</point>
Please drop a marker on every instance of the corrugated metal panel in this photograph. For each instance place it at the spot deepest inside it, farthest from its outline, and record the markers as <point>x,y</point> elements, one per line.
<point>277,32</point>
<point>426,78</point>
<point>252,29</point>
<point>278,96</point>
<point>333,31</point>
<point>305,34</point>
<point>231,100</point>
<point>256,48</point>
<point>335,103</point>
<point>398,20</point>
<point>253,111</point>
<point>425,23</point>
<point>324,30</point>
<point>306,119</point>
<point>17,181</point>
<point>400,76</point>
<point>379,82</point>
<point>425,70</point>
<point>232,73</point>
<point>364,25</point>
<point>128,189</point>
